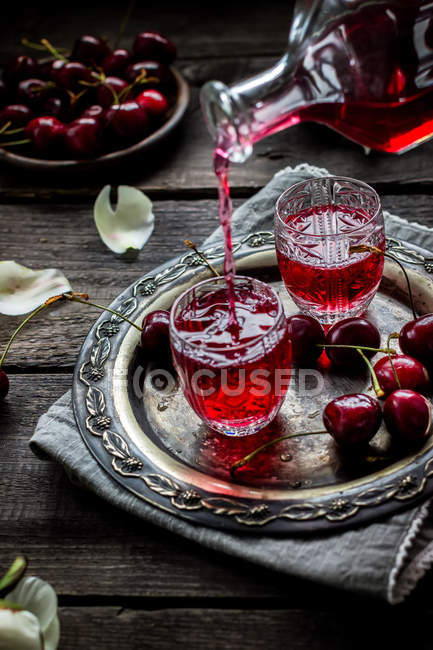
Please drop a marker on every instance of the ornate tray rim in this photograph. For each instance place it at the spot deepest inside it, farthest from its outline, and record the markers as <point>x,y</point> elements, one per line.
<point>124,462</point>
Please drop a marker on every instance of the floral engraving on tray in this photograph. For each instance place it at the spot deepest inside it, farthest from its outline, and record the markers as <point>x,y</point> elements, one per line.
<point>185,498</point>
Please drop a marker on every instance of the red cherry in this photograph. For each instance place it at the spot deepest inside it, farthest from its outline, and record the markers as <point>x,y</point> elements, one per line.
<point>46,133</point>
<point>306,334</point>
<point>351,331</point>
<point>155,340</point>
<point>128,120</point>
<point>153,101</point>
<point>71,74</point>
<point>96,112</point>
<point>57,106</point>
<point>90,49</point>
<point>412,374</point>
<point>352,420</point>
<point>158,72</point>
<point>4,384</point>
<point>82,137</point>
<point>116,62</point>
<point>32,91</point>
<point>52,70</point>
<point>154,45</point>
<point>21,67</point>
<point>105,97</point>
<point>416,339</point>
<point>17,114</point>
<point>408,416</point>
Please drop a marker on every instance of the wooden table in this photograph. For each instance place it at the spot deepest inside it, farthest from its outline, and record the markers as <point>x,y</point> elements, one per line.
<point>123,583</point>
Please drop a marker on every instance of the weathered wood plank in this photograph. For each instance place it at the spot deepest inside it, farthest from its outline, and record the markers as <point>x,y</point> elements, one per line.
<point>234,629</point>
<point>64,236</point>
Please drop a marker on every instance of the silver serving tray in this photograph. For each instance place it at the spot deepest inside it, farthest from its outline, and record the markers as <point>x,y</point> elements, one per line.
<point>147,438</point>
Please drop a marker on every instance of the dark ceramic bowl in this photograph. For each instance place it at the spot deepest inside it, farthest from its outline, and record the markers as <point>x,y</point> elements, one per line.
<point>175,115</point>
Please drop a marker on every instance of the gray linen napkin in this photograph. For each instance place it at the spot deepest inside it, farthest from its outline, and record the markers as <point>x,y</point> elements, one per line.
<point>385,559</point>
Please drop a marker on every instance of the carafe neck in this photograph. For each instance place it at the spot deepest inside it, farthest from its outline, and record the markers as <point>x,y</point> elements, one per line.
<point>237,116</point>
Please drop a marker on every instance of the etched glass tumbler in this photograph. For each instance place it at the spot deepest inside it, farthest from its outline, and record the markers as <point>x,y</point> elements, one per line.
<point>324,230</point>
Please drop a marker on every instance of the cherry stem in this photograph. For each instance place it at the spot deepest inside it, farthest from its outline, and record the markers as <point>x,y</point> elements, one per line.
<point>5,127</point>
<point>36,46</point>
<point>15,143</point>
<point>13,131</point>
<point>246,459</point>
<point>393,335</point>
<point>356,347</point>
<point>202,256</point>
<point>75,298</point>
<point>19,328</point>
<point>52,50</point>
<point>128,13</point>
<point>377,389</point>
<point>361,248</point>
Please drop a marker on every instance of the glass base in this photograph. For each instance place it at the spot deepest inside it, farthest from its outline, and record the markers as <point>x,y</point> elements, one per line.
<point>331,317</point>
<point>232,431</point>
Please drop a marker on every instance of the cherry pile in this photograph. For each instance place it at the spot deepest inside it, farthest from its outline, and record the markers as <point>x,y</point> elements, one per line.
<point>402,380</point>
<point>91,102</point>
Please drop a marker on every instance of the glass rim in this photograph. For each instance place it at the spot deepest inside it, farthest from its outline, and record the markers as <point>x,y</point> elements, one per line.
<point>173,329</point>
<point>360,184</point>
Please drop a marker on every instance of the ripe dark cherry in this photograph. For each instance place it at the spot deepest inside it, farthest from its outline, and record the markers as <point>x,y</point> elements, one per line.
<point>57,106</point>
<point>96,112</point>
<point>46,133</point>
<point>105,97</point>
<point>416,339</point>
<point>33,91</point>
<point>154,45</point>
<point>90,49</point>
<point>153,101</point>
<point>351,331</point>
<point>408,416</point>
<point>4,384</point>
<point>116,62</point>
<point>71,74</point>
<point>128,120</point>
<point>21,67</point>
<point>155,340</point>
<point>412,374</point>
<point>52,70</point>
<point>352,420</point>
<point>152,69</point>
<point>306,334</point>
<point>17,114</point>
<point>82,137</point>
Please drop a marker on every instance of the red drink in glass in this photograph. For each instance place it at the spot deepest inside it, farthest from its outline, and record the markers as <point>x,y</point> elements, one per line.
<point>317,222</point>
<point>235,381</point>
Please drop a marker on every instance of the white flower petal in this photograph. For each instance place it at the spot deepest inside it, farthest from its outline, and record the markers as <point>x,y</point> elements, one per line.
<point>52,635</point>
<point>130,224</point>
<point>38,597</point>
<point>19,631</point>
<point>22,290</point>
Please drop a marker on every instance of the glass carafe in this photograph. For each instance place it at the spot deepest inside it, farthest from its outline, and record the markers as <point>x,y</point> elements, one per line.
<point>362,68</point>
